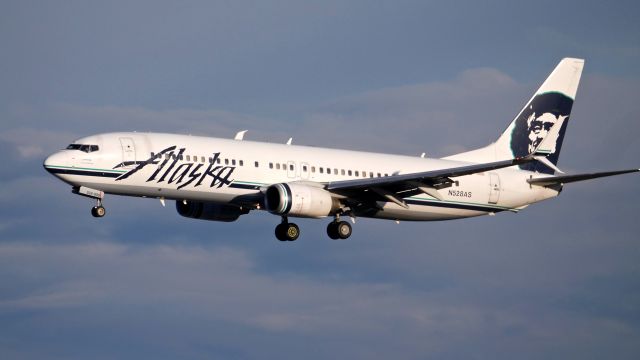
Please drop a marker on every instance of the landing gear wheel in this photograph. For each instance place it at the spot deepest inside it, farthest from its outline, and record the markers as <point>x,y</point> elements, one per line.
<point>339,230</point>
<point>344,230</point>
<point>98,211</point>
<point>287,232</point>
<point>332,230</point>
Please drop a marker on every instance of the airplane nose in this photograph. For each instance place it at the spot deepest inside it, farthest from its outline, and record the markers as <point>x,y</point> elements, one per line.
<point>54,161</point>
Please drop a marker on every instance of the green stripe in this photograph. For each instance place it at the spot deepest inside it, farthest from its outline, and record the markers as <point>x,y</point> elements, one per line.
<point>461,203</point>
<point>249,183</point>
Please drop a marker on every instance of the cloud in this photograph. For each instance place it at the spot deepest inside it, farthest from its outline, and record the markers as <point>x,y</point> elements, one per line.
<point>195,286</point>
<point>446,289</point>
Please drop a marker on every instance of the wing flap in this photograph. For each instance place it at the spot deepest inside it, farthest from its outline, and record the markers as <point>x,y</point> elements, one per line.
<point>429,176</point>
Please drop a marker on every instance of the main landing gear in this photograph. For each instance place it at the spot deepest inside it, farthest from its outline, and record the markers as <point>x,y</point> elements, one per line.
<point>339,229</point>
<point>286,231</point>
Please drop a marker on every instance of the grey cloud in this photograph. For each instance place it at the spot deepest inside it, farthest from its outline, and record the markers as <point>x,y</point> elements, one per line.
<point>558,280</point>
<point>218,285</point>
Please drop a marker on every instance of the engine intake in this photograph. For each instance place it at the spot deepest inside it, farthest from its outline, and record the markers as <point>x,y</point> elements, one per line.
<point>209,211</point>
<point>299,200</point>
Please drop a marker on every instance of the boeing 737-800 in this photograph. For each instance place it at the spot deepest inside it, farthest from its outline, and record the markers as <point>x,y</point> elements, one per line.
<point>221,179</point>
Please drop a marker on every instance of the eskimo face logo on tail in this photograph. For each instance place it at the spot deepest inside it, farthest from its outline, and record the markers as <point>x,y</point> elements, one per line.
<point>533,125</point>
<point>171,168</point>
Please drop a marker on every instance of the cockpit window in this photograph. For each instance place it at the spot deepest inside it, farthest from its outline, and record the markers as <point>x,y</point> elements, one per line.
<point>83,147</point>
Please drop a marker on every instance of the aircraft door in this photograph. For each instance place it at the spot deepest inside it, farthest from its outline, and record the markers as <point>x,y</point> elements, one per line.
<point>494,184</point>
<point>128,151</point>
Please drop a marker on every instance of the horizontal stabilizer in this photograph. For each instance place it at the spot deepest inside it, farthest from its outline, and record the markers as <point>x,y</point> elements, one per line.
<point>564,179</point>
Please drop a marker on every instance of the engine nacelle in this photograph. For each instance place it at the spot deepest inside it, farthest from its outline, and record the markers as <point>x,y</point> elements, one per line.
<point>299,200</point>
<point>209,211</point>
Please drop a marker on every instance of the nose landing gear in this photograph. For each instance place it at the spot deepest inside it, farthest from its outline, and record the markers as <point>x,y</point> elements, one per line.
<point>97,211</point>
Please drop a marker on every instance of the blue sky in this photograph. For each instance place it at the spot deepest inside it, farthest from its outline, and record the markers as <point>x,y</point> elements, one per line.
<point>558,280</point>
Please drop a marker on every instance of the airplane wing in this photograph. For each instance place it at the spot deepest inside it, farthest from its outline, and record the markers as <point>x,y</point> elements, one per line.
<point>395,187</point>
<point>564,179</point>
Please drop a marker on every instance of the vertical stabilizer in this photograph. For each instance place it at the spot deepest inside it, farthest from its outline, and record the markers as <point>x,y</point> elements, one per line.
<point>550,104</point>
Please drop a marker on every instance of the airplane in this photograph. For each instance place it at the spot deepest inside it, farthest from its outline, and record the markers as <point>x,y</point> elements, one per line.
<point>221,179</point>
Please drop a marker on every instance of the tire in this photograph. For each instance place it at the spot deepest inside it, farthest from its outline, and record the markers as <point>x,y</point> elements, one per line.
<point>343,229</point>
<point>280,232</point>
<point>100,211</point>
<point>292,232</point>
<point>332,230</point>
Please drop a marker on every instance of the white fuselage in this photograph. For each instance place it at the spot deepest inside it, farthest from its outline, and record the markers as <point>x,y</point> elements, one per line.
<point>226,171</point>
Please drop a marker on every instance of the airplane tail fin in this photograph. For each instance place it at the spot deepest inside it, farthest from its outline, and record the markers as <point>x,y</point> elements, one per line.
<point>551,104</point>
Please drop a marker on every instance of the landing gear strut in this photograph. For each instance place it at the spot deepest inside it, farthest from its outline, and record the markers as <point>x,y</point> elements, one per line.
<point>286,231</point>
<point>339,229</point>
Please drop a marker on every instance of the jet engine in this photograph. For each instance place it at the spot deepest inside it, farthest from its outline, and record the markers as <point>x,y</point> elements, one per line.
<point>209,211</point>
<point>299,200</point>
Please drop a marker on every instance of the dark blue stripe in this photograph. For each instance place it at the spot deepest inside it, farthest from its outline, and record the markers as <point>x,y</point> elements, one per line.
<point>244,186</point>
<point>82,172</point>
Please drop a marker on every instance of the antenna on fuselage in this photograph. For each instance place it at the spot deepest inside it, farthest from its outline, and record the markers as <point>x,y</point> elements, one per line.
<point>289,141</point>
<point>240,135</point>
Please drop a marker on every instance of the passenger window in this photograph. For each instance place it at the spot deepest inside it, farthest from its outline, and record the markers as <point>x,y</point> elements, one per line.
<point>226,161</point>
<point>278,166</point>
<point>210,160</point>
<point>167,156</point>
<point>241,163</point>
<point>304,168</point>
<point>233,162</point>
<point>313,169</point>
<point>180,157</point>
<point>256,164</point>
<point>349,172</point>
<point>335,171</point>
<point>188,158</point>
<point>370,174</point>
<point>341,171</point>
<point>291,167</point>
<point>321,171</point>
<point>379,175</point>
<point>357,173</point>
<point>284,166</point>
